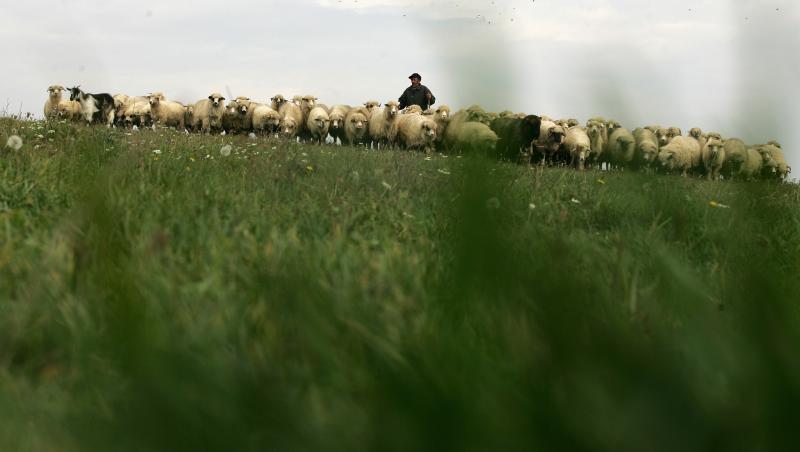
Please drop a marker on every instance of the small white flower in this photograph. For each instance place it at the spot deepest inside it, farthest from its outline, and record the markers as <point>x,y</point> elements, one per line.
<point>51,131</point>
<point>251,135</point>
<point>274,147</point>
<point>135,128</point>
<point>157,151</point>
<point>225,150</point>
<point>574,201</point>
<point>40,136</point>
<point>14,142</point>
<point>428,158</point>
<point>532,206</point>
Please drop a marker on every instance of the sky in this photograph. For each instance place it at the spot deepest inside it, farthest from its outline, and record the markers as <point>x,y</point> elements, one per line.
<point>730,66</point>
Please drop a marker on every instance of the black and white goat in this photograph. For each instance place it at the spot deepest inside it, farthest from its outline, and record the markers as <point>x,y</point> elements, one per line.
<point>94,107</point>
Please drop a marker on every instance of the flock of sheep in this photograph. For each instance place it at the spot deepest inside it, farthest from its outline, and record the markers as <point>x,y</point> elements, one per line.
<point>510,136</point>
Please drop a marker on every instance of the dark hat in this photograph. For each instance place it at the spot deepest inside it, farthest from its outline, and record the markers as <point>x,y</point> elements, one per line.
<point>415,75</point>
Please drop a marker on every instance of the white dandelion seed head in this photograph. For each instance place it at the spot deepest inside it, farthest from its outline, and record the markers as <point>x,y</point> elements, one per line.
<point>225,150</point>
<point>14,142</point>
<point>157,151</point>
<point>252,136</point>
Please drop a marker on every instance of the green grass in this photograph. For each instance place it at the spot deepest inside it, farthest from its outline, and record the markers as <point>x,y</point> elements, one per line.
<point>294,297</point>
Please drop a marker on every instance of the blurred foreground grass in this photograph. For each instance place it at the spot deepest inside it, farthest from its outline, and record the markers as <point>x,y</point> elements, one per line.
<point>291,297</point>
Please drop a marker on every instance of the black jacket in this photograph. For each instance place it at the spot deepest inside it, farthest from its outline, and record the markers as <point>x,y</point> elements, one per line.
<point>416,96</point>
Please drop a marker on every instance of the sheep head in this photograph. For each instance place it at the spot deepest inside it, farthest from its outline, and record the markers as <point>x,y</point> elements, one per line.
<point>337,119</point>
<point>391,108</point>
<point>649,151</point>
<point>663,136</point>
<point>673,132</point>
<point>695,132</point>
<point>216,99</point>
<point>55,90</point>
<point>371,105</point>
<point>443,112</point>
<point>612,125</point>
<point>289,127</point>
<point>278,100</point>
<point>358,121</point>
<point>154,99</point>
<point>308,101</point>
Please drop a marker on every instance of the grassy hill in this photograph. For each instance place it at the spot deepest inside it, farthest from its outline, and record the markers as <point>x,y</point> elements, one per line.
<point>156,294</point>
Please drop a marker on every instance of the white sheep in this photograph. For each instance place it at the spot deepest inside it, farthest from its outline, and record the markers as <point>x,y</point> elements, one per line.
<point>598,136</point>
<point>697,134</point>
<point>291,119</point>
<point>371,106</point>
<point>276,101</point>
<point>713,157</point>
<point>55,106</point>
<point>381,122</point>
<point>138,112</point>
<point>775,161</point>
<point>266,119</point>
<point>735,157</point>
<point>621,147</point>
<point>337,115</point>
<point>680,154</point>
<point>166,112</point>
<point>356,126</point>
<point>578,146</point>
<point>470,136</point>
<point>208,112</point>
<point>317,124</point>
<point>551,136</point>
<point>416,132</point>
<point>646,147</point>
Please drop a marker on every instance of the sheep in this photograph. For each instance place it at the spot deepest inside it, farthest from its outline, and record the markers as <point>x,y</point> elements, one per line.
<point>55,106</point>
<point>775,143</point>
<point>317,124</point>
<point>208,112</point>
<point>372,107</point>
<point>646,147</point>
<point>276,101</point>
<point>612,125</point>
<point>412,109</point>
<point>382,121</point>
<point>442,117</point>
<point>713,157</point>
<point>416,132</point>
<point>578,146</point>
<point>337,115</point>
<point>188,115</point>
<point>673,132</point>
<point>753,164</point>
<point>598,136</point>
<point>516,136</point>
<point>297,99</point>
<point>551,136</point>
<point>166,112</point>
<point>137,112</point>
<point>715,135</point>
<point>735,157</point>
<point>470,136</point>
<point>291,119</point>
<point>266,120</point>
<point>774,160</point>
<point>231,121</point>
<point>653,128</point>
<point>680,154</point>
<point>306,104</point>
<point>663,136</point>
<point>621,147</point>
<point>697,134</point>
<point>356,126</point>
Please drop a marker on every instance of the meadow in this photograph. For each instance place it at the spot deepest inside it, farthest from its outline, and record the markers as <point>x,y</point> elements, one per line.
<point>157,294</point>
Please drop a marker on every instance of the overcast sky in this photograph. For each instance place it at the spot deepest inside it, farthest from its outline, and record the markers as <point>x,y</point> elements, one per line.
<point>731,66</point>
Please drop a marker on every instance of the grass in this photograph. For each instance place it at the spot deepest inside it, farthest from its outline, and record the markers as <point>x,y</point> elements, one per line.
<point>294,297</point>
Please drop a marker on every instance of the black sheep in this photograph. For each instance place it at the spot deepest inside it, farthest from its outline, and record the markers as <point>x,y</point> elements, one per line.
<point>516,136</point>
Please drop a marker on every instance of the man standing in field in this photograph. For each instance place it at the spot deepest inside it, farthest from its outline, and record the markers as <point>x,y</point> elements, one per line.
<point>416,94</point>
